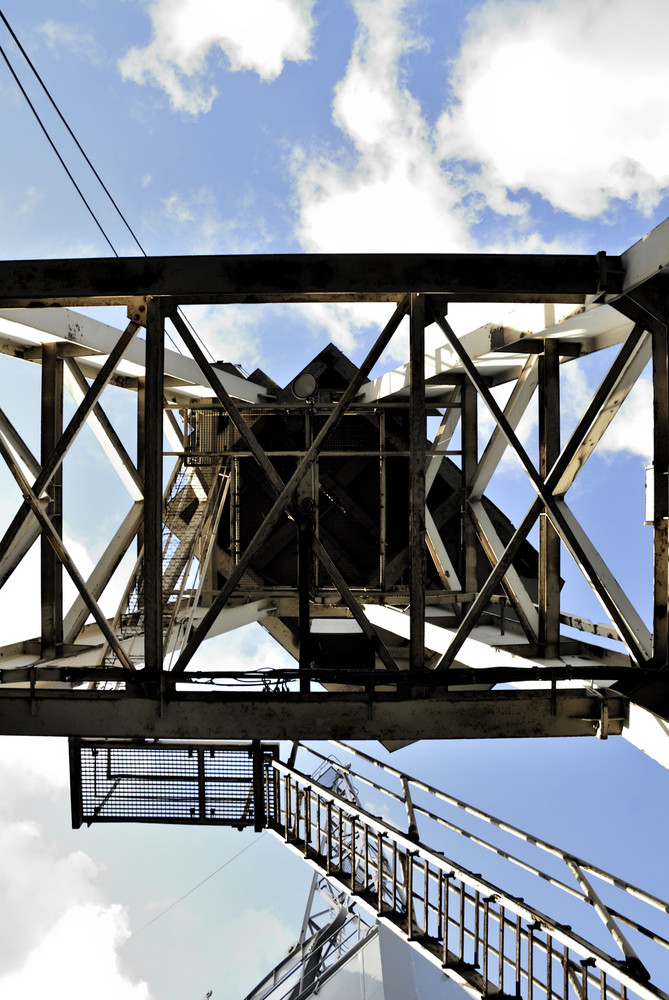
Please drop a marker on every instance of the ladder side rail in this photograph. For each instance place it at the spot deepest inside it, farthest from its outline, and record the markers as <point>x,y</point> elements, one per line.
<point>614,880</point>
<point>577,893</point>
<point>469,881</point>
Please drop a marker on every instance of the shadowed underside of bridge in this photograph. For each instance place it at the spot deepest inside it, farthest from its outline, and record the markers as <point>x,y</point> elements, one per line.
<point>346,512</point>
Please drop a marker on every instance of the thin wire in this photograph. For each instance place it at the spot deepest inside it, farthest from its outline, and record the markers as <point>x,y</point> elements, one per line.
<point>76,141</point>
<point>53,146</point>
<point>88,161</point>
<point>190,891</point>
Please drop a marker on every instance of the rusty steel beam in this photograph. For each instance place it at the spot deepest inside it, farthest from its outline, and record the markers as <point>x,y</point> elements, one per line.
<point>153,484</point>
<point>469,434</point>
<point>549,540</point>
<point>51,569</point>
<point>660,499</point>
<point>417,440</point>
<point>330,715</point>
<point>304,278</point>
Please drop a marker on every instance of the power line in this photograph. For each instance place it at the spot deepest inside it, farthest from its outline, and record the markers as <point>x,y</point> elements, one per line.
<point>190,891</point>
<point>87,160</point>
<point>65,123</point>
<point>53,146</point>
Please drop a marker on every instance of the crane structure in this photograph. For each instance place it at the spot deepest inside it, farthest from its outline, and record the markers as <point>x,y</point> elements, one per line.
<point>365,546</point>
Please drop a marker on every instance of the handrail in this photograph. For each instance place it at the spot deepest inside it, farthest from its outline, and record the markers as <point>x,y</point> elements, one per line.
<point>432,886</point>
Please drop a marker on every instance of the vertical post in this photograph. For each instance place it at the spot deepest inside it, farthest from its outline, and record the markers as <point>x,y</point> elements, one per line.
<point>304,573</point>
<point>660,497</point>
<point>549,540</point>
<point>469,418</point>
<point>417,443</point>
<point>51,569</point>
<point>153,487</point>
<point>141,436</point>
<point>259,778</point>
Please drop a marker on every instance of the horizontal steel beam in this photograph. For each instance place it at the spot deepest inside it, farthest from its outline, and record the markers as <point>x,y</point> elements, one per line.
<point>303,277</point>
<point>332,715</point>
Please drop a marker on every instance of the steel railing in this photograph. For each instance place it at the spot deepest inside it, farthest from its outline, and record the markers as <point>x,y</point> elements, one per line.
<point>487,939</point>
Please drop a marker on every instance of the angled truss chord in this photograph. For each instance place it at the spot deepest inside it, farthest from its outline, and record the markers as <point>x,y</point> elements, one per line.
<point>55,460</point>
<point>104,432</point>
<point>624,372</point>
<point>58,547</point>
<point>76,617</point>
<point>285,493</point>
<point>615,602</point>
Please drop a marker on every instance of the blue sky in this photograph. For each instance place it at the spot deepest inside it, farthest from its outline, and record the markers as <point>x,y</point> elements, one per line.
<point>286,125</point>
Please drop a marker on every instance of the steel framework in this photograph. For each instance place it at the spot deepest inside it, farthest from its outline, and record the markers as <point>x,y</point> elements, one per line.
<point>413,607</point>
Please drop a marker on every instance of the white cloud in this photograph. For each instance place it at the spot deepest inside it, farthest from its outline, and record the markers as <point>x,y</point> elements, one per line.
<point>247,648</point>
<point>59,934</point>
<point>391,193</point>
<point>71,38</point>
<point>257,35</point>
<point>631,430</point>
<point>77,959</point>
<point>257,939</point>
<point>196,220</point>
<point>389,190</point>
<point>230,332</point>
<point>29,766</point>
<point>569,99</point>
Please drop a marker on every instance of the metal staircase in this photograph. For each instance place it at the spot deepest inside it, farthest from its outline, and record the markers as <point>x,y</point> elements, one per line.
<point>487,939</point>
<point>542,924</point>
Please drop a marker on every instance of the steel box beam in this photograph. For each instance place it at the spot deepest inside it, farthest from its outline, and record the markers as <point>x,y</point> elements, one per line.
<point>462,715</point>
<point>303,278</point>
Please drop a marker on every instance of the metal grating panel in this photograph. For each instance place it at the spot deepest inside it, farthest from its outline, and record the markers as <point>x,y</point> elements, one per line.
<point>192,783</point>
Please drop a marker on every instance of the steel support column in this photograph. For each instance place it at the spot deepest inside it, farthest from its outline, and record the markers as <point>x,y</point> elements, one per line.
<point>153,485</point>
<point>468,545</point>
<point>304,578</point>
<point>51,569</point>
<point>549,540</point>
<point>660,498</point>
<point>417,442</point>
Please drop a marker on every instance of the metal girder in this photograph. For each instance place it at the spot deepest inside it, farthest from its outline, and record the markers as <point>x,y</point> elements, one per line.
<point>463,715</point>
<point>152,471</point>
<point>90,341</point>
<point>305,278</point>
<point>417,436</point>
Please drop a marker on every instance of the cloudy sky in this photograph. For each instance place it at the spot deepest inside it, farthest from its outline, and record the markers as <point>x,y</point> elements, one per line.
<point>289,125</point>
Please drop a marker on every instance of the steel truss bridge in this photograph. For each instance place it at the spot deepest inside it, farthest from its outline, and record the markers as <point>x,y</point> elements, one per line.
<point>412,605</point>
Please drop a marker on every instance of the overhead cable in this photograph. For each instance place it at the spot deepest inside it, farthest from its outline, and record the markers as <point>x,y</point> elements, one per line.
<point>53,146</point>
<point>73,136</point>
<point>86,158</point>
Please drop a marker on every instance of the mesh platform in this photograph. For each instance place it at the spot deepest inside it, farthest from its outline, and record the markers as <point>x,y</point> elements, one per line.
<point>191,783</point>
